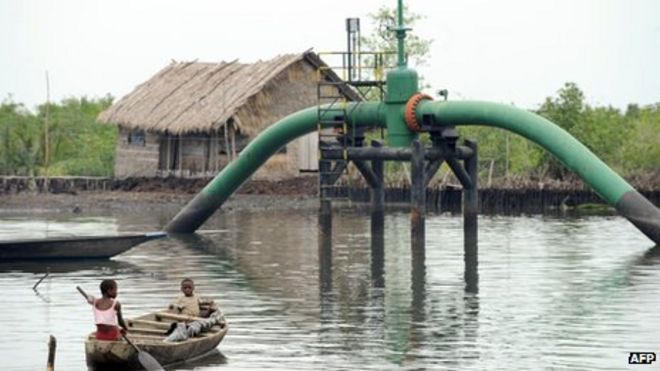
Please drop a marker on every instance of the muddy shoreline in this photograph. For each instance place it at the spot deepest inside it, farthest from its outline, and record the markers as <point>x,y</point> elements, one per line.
<point>91,201</point>
<point>173,193</point>
<point>89,194</point>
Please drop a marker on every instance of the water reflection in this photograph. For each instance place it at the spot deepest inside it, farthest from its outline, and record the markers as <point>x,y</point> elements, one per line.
<point>471,262</point>
<point>325,256</point>
<point>18,227</point>
<point>215,358</point>
<point>357,299</point>
<point>326,298</point>
<point>407,333</point>
<point>107,267</point>
<point>651,256</point>
<point>643,266</point>
<point>417,336</point>
<point>378,249</point>
<point>203,242</point>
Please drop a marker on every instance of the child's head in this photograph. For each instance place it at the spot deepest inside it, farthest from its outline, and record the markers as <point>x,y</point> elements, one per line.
<point>187,286</point>
<point>109,288</point>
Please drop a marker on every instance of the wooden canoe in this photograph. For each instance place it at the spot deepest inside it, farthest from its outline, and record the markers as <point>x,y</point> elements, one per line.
<point>148,333</point>
<point>83,247</point>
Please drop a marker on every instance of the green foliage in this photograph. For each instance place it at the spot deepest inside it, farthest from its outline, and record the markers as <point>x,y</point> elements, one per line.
<point>19,133</point>
<point>503,153</point>
<point>77,145</point>
<point>626,142</point>
<point>640,153</point>
<point>566,110</point>
<point>604,131</point>
<point>382,38</point>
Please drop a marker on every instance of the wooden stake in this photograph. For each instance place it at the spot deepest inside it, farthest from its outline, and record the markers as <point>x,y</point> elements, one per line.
<point>180,150</point>
<point>233,141</point>
<point>52,344</point>
<point>227,150</point>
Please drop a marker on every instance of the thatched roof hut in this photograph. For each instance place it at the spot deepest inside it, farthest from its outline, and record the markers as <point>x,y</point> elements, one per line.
<point>187,97</point>
<point>191,104</point>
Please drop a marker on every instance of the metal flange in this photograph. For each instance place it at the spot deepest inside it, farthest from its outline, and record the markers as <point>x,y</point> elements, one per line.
<point>411,106</point>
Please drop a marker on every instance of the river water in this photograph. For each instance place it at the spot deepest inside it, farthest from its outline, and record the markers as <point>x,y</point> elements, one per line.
<point>573,293</point>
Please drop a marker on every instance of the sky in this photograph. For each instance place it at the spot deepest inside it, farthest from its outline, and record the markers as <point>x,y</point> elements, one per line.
<point>507,51</point>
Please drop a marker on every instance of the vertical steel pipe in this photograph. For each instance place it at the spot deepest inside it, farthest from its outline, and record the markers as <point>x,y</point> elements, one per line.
<point>470,227</point>
<point>417,201</point>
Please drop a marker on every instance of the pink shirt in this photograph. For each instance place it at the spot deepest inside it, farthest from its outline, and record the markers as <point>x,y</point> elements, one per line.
<point>105,317</point>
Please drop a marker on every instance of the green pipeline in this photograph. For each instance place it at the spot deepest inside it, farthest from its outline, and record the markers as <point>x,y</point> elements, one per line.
<point>609,185</point>
<point>200,208</point>
<point>573,154</point>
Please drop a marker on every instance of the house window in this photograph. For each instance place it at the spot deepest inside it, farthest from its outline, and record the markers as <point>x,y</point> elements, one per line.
<point>136,137</point>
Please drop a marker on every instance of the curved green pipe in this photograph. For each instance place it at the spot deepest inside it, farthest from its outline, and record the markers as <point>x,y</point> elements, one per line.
<point>577,157</point>
<point>551,137</point>
<point>609,185</point>
<point>200,208</point>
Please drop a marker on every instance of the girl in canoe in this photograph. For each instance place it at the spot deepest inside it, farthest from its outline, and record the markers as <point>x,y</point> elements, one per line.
<point>107,312</point>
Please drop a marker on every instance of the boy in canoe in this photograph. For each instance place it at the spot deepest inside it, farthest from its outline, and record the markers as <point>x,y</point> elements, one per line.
<point>107,312</point>
<point>189,304</point>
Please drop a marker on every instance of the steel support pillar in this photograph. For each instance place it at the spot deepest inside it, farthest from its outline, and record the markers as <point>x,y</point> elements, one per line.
<point>470,212</point>
<point>417,201</point>
<point>378,222</point>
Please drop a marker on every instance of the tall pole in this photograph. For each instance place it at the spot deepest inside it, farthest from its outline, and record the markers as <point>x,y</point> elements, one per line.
<point>400,36</point>
<point>402,84</point>
<point>46,129</point>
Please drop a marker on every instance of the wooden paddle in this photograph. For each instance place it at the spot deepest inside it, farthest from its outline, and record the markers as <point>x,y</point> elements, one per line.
<point>146,360</point>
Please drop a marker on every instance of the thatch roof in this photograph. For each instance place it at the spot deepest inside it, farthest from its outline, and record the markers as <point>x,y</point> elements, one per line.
<point>199,97</point>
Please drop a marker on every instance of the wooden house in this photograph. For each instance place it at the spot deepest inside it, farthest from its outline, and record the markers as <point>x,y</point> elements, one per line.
<point>192,118</point>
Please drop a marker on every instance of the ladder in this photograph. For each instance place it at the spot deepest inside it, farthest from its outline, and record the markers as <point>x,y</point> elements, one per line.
<point>360,76</point>
<point>333,131</point>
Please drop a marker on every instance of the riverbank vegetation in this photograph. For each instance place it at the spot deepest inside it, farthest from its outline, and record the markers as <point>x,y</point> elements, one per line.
<point>627,140</point>
<point>58,139</point>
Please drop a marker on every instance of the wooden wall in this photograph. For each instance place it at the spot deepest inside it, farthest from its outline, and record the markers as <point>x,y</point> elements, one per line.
<point>133,159</point>
<point>292,90</point>
<point>192,155</point>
